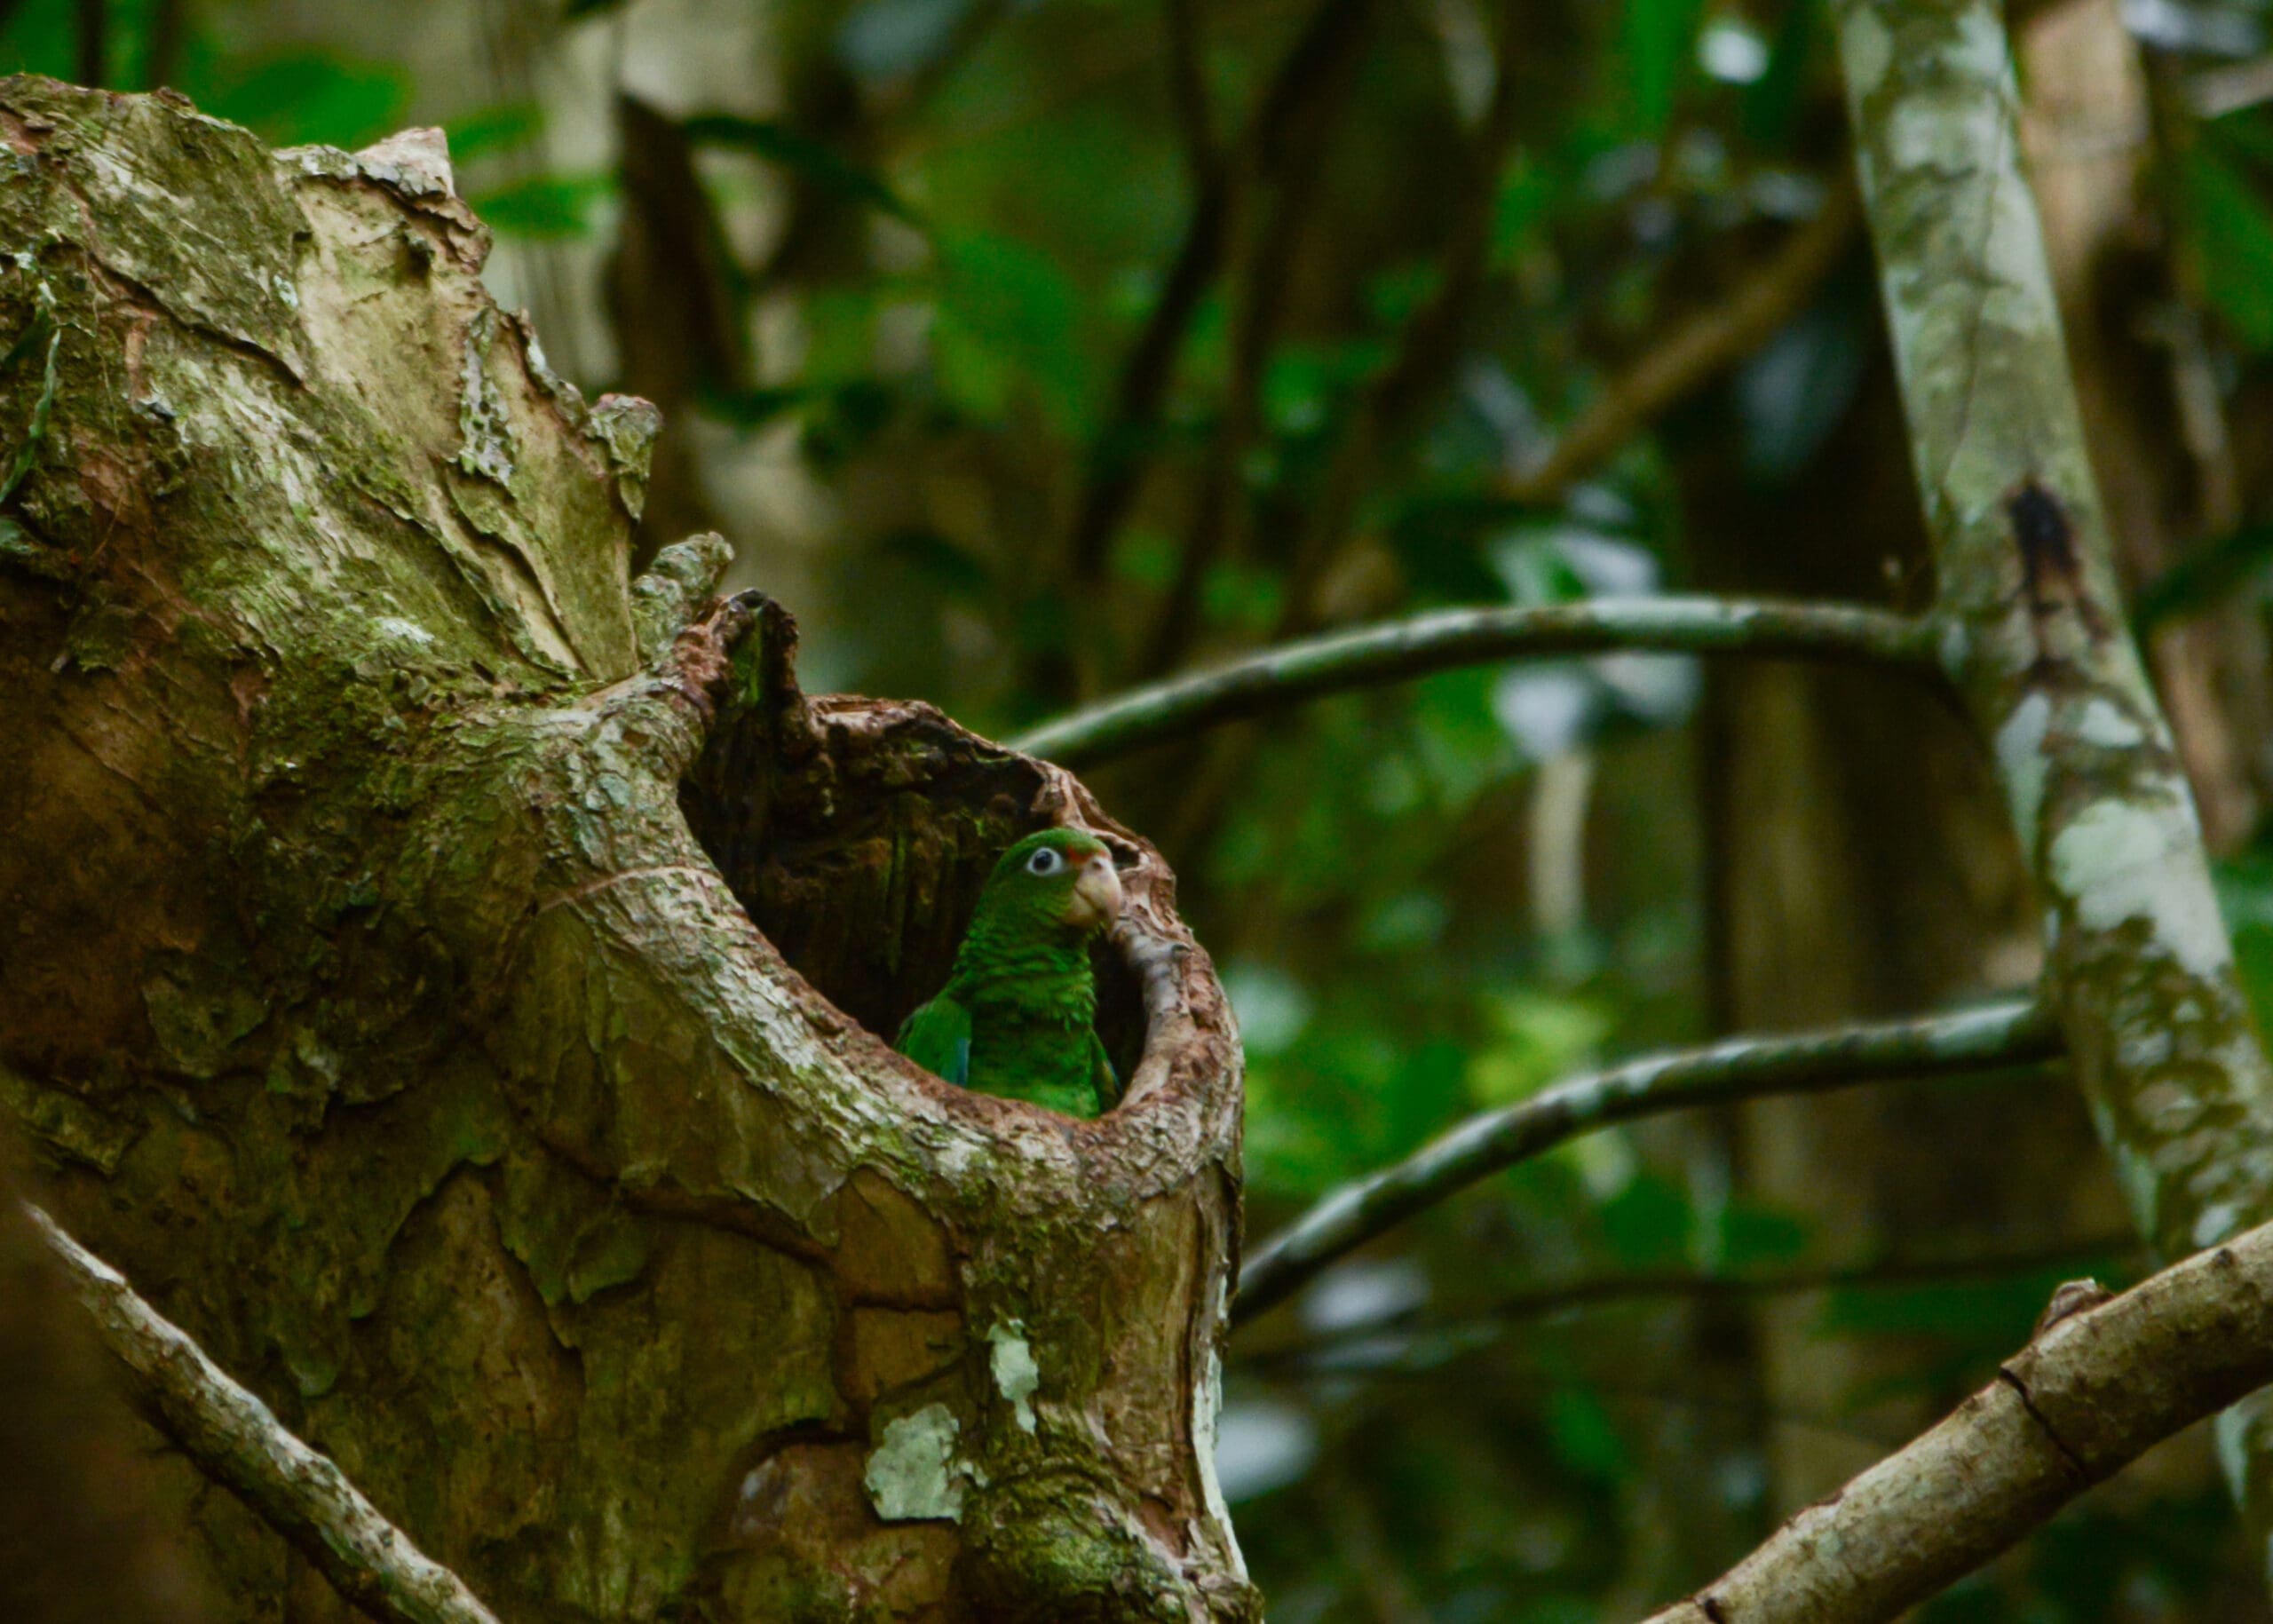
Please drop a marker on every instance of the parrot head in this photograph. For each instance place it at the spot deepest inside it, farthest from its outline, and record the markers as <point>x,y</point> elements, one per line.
<point>1057,877</point>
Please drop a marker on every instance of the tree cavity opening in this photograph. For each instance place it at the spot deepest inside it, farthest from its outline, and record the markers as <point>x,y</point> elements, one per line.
<point>857,835</point>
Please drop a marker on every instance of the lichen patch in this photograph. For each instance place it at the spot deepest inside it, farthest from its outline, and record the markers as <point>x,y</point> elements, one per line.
<point>2120,859</point>
<point>913,1474</point>
<point>1017,1375</point>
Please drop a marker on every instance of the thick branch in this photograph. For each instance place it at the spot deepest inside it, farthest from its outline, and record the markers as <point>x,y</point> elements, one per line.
<point>2141,968</point>
<point>234,1440</point>
<point>2087,1396</point>
<point>1293,673</point>
<point>1744,1068</point>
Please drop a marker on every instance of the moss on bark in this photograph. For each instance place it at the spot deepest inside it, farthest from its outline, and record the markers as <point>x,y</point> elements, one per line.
<point>389,1024</point>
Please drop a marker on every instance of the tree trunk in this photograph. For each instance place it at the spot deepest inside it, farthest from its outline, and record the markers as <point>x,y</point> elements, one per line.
<point>374,983</point>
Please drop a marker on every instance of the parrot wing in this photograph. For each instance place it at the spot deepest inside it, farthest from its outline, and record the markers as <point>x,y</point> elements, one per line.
<point>938,1038</point>
<point>1101,1075</point>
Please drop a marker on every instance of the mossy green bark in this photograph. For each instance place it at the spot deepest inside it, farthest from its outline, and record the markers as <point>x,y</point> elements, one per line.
<point>2139,966</point>
<point>390,1027</point>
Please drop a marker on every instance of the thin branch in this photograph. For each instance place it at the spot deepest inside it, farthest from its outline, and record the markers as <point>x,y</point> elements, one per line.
<point>1294,134</point>
<point>2005,1033</point>
<point>1480,1327</point>
<point>1372,655</point>
<point>236,1441</point>
<point>1430,345</point>
<point>1697,350</point>
<point>1283,135</point>
<point>2090,1393</point>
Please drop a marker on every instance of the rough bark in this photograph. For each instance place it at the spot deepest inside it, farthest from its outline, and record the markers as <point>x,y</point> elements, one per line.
<point>403,1041</point>
<point>2139,963</point>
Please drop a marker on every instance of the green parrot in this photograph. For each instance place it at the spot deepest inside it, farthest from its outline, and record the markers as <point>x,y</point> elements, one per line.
<point>1017,1015</point>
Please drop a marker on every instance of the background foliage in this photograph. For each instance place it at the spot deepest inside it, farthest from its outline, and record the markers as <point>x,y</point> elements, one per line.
<point>1030,349</point>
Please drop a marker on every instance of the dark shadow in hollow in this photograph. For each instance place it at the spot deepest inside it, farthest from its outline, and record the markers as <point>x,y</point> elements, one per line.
<point>858,833</point>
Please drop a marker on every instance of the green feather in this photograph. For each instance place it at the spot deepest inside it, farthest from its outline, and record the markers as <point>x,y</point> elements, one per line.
<point>1018,1015</point>
<point>938,1038</point>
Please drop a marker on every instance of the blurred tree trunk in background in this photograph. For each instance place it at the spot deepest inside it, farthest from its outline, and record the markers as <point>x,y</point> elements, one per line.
<point>1860,863</point>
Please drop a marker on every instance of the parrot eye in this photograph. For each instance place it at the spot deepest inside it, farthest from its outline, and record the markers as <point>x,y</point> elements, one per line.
<point>1044,861</point>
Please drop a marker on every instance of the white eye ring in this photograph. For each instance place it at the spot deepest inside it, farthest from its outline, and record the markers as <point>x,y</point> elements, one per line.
<point>1045,861</point>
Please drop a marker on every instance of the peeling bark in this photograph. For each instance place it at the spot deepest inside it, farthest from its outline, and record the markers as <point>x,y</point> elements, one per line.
<point>2139,966</point>
<point>482,1068</point>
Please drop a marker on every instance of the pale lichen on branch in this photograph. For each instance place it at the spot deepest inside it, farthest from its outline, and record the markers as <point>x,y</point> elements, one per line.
<point>2140,968</point>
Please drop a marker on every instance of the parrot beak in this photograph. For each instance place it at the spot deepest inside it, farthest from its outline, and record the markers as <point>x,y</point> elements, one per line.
<point>1096,898</point>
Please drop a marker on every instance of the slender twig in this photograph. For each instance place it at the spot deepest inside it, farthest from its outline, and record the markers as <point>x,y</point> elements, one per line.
<point>1372,655</point>
<point>236,1441</point>
<point>1696,350</point>
<point>1481,1326</point>
<point>2005,1033</point>
<point>1221,181</point>
<point>2091,1392</point>
<point>1394,405</point>
<point>1294,134</point>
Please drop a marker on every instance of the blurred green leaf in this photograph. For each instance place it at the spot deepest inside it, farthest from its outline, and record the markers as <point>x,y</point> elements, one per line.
<point>544,207</point>
<point>499,128</point>
<point>1994,1311</point>
<point>1540,1037</point>
<point>1650,1224</point>
<point>296,98</point>
<point>1751,1234</point>
<point>1304,383</point>
<point>2204,577</point>
<point>1459,741</point>
<point>38,39</point>
<point>2231,233</point>
<point>953,571</point>
<point>1241,597</point>
<point>1585,1437</point>
<point>1773,103</point>
<point>1521,212</point>
<point>816,161</point>
<point>1006,318</point>
<point>1656,46</point>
